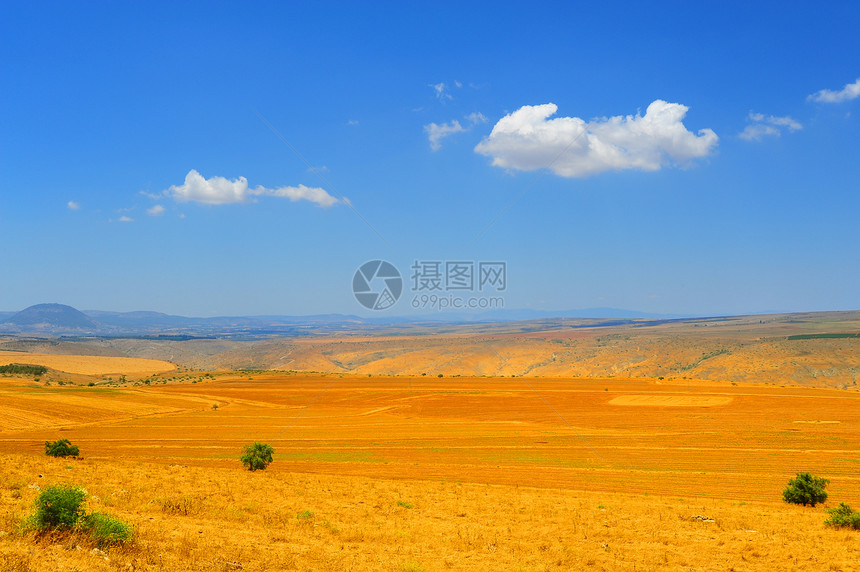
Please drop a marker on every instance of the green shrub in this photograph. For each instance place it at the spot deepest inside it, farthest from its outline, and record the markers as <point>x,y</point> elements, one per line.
<point>59,507</point>
<point>805,489</point>
<point>843,516</point>
<point>107,530</point>
<point>257,456</point>
<point>61,448</point>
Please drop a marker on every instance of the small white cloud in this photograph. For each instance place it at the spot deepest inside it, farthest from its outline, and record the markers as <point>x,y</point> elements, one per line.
<point>441,91</point>
<point>124,218</point>
<point>786,121</point>
<point>758,131</point>
<point>847,93</point>
<point>303,193</point>
<point>435,132</point>
<point>528,140</point>
<point>73,206</point>
<point>476,118</point>
<point>156,210</point>
<point>221,191</point>
<point>768,126</point>
<point>352,122</point>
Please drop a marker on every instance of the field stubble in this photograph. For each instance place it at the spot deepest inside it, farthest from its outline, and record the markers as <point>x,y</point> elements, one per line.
<point>412,473</point>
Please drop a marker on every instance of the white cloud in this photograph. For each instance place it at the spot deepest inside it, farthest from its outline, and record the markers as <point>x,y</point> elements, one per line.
<point>441,91</point>
<point>847,93</point>
<point>435,132</point>
<point>73,206</point>
<point>528,140</point>
<point>352,122</point>
<point>221,191</point>
<point>303,193</point>
<point>767,126</point>
<point>758,131</point>
<point>475,118</point>
<point>157,210</point>
<point>124,218</point>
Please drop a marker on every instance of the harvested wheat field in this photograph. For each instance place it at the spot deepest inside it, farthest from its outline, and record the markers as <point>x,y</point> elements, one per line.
<point>90,365</point>
<point>489,473</point>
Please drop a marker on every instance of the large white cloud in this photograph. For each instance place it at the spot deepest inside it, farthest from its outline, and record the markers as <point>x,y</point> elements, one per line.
<point>528,139</point>
<point>847,93</point>
<point>221,191</point>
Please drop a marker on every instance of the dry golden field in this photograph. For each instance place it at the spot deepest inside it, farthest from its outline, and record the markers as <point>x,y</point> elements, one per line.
<point>775,349</point>
<point>90,365</point>
<point>490,473</point>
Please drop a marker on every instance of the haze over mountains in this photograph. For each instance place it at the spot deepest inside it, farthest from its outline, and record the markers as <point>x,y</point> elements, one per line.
<point>59,319</point>
<point>803,348</point>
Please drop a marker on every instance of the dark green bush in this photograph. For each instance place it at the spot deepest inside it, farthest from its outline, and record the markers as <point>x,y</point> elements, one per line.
<point>843,516</point>
<point>59,507</point>
<point>61,448</point>
<point>257,456</point>
<point>805,489</point>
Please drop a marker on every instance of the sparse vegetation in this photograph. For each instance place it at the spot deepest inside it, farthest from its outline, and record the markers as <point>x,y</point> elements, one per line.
<point>107,530</point>
<point>23,369</point>
<point>822,336</point>
<point>805,489</point>
<point>257,457</point>
<point>61,448</point>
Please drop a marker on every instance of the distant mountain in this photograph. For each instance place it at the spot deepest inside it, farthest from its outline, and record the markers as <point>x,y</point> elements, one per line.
<point>52,317</point>
<point>61,320</point>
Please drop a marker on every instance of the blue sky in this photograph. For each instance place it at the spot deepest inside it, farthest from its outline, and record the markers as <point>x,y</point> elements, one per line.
<point>236,158</point>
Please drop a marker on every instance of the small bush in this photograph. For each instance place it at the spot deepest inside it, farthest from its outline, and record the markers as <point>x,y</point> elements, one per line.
<point>61,448</point>
<point>107,530</point>
<point>805,489</point>
<point>843,516</point>
<point>305,515</point>
<point>257,456</point>
<point>59,507</point>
